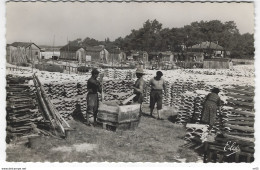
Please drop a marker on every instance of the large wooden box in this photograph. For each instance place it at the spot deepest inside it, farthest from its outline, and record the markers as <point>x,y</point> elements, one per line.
<point>121,117</point>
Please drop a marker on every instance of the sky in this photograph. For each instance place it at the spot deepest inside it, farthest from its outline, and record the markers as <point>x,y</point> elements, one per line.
<point>45,23</point>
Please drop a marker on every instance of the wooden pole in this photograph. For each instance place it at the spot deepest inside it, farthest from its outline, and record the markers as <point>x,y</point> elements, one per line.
<point>53,50</point>
<point>43,105</point>
<point>51,109</point>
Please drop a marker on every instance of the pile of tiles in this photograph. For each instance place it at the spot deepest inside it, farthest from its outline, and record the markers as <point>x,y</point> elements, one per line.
<point>23,115</point>
<point>196,132</point>
<point>117,89</point>
<point>65,96</point>
<point>239,72</point>
<point>240,117</point>
<point>119,74</point>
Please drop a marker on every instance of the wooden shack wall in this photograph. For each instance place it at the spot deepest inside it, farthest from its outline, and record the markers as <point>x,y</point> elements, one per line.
<point>216,64</point>
<point>68,55</point>
<point>16,54</point>
<point>246,61</point>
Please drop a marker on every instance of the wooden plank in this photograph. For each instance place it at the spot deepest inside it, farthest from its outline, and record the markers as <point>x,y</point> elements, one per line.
<point>251,104</point>
<point>241,134</point>
<point>247,123</point>
<point>230,118</point>
<point>241,92</point>
<point>242,128</point>
<point>223,141</point>
<point>128,99</point>
<point>243,112</point>
<point>244,139</point>
<point>250,98</point>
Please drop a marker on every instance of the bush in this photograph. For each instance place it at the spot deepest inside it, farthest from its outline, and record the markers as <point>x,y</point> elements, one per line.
<point>23,64</point>
<point>49,67</point>
<point>83,69</point>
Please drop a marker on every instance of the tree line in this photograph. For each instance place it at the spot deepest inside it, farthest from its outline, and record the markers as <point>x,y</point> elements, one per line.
<point>153,37</point>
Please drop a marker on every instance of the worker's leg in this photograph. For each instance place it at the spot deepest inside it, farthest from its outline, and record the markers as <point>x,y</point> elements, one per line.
<point>87,116</point>
<point>141,112</point>
<point>159,103</point>
<point>90,106</point>
<point>152,102</point>
<point>95,111</point>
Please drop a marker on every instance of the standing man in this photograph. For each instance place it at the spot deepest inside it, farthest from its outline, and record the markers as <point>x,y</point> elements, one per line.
<point>157,86</point>
<point>139,86</point>
<point>93,86</point>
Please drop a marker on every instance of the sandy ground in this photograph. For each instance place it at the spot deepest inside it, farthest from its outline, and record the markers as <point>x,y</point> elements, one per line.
<point>153,141</point>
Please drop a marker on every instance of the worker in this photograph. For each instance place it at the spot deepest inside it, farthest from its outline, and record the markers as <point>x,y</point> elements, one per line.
<point>139,86</point>
<point>209,111</point>
<point>157,85</point>
<point>93,86</point>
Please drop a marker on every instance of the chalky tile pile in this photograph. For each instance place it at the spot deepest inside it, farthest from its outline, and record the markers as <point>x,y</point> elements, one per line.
<point>23,117</point>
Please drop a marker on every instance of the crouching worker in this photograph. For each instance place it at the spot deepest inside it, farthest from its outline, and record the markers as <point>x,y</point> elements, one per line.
<point>139,88</point>
<point>93,86</point>
<point>210,107</point>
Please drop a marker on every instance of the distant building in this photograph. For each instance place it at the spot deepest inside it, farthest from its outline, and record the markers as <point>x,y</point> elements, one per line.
<point>69,52</point>
<point>81,55</point>
<point>97,53</point>
<point>140,56</point>
<point>116,56</point>
<point>217,63</point>
<point>22,52</point>
<point>209,48</point>
<point>166,56</point>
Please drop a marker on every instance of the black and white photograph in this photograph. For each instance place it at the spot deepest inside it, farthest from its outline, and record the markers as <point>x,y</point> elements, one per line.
<point>129,82</point>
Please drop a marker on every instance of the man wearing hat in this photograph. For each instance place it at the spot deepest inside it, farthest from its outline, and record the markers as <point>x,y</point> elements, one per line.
<point>93,86</point>
<point>157,86</point>
<point>139,86</point>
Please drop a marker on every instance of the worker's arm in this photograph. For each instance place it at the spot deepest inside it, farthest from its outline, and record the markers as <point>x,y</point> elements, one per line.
<point>99,87</point>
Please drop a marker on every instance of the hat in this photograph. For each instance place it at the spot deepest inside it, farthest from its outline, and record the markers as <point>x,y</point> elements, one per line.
<point>95,71</point>
<point>139,70</point>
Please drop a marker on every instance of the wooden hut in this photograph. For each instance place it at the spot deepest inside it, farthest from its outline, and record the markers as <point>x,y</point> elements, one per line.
<point>18,52</point>
<point>216,63</point>
<point>141,56</point>
<point>81,55</point>
<point>69,52</point>
<point>208,47</point>
<point>116,56</point>
<point>97,53</point>
<point>166,56</point>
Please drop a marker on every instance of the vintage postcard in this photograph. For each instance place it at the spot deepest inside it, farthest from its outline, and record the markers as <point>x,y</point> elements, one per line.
<point>167,82</point>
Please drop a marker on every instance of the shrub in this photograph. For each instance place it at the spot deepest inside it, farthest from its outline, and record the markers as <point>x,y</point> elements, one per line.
<point>83,69</point>
<point>23,64</point>
<point>49,67</point>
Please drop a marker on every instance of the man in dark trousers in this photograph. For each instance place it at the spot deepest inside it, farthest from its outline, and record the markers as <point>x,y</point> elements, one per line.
<point>93,87</point>
<point>157,86</point>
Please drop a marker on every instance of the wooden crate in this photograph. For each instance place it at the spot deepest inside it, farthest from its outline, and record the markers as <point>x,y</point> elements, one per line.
<point>114,117</point>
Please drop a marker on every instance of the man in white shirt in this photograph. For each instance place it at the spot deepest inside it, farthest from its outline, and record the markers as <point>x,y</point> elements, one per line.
<point>157,86</point>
